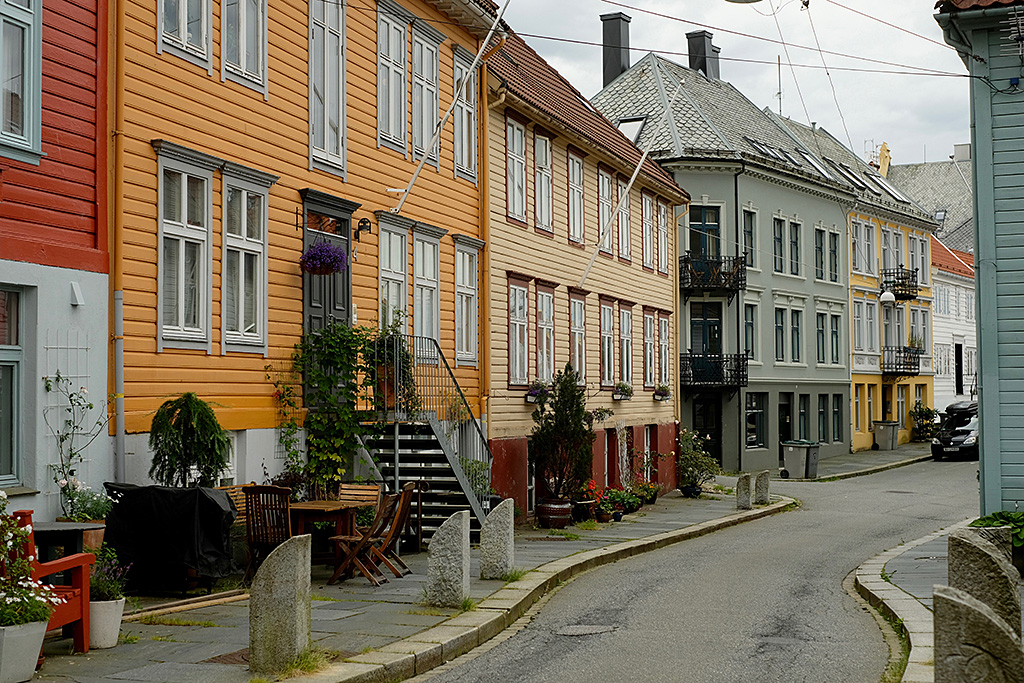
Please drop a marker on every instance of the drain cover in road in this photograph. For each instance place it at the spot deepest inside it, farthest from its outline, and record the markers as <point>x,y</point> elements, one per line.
<point>583,630</point>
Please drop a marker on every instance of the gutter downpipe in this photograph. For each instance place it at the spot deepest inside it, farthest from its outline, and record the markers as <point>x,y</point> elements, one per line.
<point>120,457</point>
<point>740,332</point>
<point>483,177</point>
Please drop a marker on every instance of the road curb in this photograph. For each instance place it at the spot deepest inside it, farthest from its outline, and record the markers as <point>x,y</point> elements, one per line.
<point>428,649</point>
<point>903,609</point>
<point>867,470</point>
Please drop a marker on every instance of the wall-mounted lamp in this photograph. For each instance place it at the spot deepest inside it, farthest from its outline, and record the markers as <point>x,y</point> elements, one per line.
<point>363,226</point>
<point>887,298</point>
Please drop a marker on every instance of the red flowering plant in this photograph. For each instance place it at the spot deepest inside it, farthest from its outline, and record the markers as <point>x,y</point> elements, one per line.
<point>323,258</point>
<point>588,491</point>
<point>22,600</point>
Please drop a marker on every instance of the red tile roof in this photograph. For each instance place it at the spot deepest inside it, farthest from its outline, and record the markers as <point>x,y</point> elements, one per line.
<point>953,5</point>
<point>538,84</point>
<point>950,261</point>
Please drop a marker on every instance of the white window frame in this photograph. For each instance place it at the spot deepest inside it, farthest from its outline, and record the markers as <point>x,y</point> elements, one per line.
<point>869,247</point>
<point>626,346</point>
<point>245,340</point>
<point>647,228</point>
<point>834,267</point>
<point>545,335</point>
<point>871,326</point>
<point>796,345</point>
<point>924,261</point>
<point>24,145</point>
<point>897,247</point>
<point>515,166</point>
<point>856,240</point>
<point>392,121</point>
<point>239,72</point>
<point>577,205</point>
<point>750,324</point>
<point>650,370</point>
<point>858,325</point>
<point>198,52</point>
<point>465,121</point>
<point>467,268</point>
<point>605,205</point>
<point>323,31</point>
<point>518,334</point>
<point>393,265</point>
<point>750,249</point>
<point>426,252</point>
<point>901,405</point>
<point>543,188</point>
<point>795,250</point>
<point>625,228</point>
<point>13,356</point>
<point>835,335</point>
<point>607,345</point>
<point>426,68</point>
<point>663,210</point>
<point>664,349</point>
<point>578,335</point>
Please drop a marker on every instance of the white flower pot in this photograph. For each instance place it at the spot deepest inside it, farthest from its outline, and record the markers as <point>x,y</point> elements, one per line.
<point>105,623</point>
<point>19,651</point>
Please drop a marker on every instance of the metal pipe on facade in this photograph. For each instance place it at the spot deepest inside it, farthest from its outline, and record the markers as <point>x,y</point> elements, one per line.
<point>116,255</point>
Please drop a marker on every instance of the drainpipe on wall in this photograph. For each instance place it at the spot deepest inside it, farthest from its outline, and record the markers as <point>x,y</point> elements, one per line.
<point>740,332</point>
<point>483,177</point>
<point>120,459</point>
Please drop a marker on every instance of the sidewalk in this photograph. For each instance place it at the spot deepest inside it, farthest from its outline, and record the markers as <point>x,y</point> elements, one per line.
<point>868,462</point>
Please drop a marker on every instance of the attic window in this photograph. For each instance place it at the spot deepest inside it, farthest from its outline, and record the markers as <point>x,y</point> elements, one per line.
<point>940,215</point>
<point>888,187</point>
<point>766,150</point>
<point>848,174</point>
<point>791,158</point>
<point>631,127</point>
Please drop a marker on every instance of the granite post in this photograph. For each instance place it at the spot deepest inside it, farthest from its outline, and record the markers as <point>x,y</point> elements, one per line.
<point>743,492</point>
<point>448,562</point>
<point>982,570</point>
<point>497,541</point>
<point>762,495</point>
<point>279,607</point>
<point>972,642</point>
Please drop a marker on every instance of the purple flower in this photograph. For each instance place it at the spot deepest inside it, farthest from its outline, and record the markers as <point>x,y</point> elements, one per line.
<point>323,258</point>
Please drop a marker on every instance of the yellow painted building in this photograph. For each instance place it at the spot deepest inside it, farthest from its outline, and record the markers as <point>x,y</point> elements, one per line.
<point>246,132</point>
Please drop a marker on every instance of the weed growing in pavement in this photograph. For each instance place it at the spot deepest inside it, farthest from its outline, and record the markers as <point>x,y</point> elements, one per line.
<point>895,669</point>
<point>567,535</point>
<point>129,638</point>
<point>887,575</point>
<point>164,639</point>
<point>467,605</point>
<point>588,525</point>
<point>153,620</point>
<point>323,598</point>
<point>366,649</point>
<point>727,490</point>
<point>309,661</point>
<point>513,575</point>
<point>429,612</point>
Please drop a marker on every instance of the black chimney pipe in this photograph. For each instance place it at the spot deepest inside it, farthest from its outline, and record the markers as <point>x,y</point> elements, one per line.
<point>703,55</point>
<point>616,45</point>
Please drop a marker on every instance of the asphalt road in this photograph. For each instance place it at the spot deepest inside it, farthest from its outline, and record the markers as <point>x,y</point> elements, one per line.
<point>762,601</point>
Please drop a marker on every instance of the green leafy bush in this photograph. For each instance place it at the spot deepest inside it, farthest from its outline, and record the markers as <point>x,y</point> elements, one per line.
<point>189,446</point>
<point>925,426</point>
<point>1014,520</point>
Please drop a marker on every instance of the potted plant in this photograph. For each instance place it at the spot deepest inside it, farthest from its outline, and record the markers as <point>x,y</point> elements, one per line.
<point>925,426</point>
<point>87,505</point>
<point>662,392</point>
<point>584,500</point>
<point>26,605</point>
<point>323,258</point>
<point>605,507</point>
<point>694,467</point>
<point>189,446</point>
<point>390,367</point>
<point>622,391</point>
<point>561,445</point>
<point>915,344</point>
<point>106,598</point>
<point>647,491</point>
<point>537,390</point>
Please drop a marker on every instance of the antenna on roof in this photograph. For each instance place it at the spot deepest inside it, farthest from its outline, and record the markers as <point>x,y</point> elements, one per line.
<point>779,93</point>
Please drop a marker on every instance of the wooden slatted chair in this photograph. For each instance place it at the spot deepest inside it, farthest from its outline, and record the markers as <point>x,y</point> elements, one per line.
<point>385,551</point>
<point>268,522</point>
<point>74,611</point>
<point>356,551</point>
<point>237,496</point>
<point>368,494</point>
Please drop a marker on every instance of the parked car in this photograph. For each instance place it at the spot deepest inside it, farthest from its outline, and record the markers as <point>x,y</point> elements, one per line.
<point>958,435</point>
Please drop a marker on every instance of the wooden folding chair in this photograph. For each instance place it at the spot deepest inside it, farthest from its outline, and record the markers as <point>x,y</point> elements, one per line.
<point>357,549</point>
<point>268,522</point>
<point>384,552</point>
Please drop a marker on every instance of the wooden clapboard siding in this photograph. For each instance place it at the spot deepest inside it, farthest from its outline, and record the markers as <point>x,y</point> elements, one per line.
<point>54,213</point>
<point>173,99</point>
<point>524,250</point>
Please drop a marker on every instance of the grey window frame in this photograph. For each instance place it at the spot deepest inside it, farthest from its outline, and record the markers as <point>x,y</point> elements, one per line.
<point>469,246</point>
<point>756,405</point>
<point>392,15</point>
<point>13,356</point>
<point>462,60</point>
<point>27,147</point>
<point>165,43</point>
<point>238,73</point>
<point>324,160</point>
<point>430,37</point>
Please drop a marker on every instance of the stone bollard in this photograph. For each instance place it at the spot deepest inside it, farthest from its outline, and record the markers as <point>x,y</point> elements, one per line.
<point>972,642</point>
<point>448,562</point>
<point>762,496</point>
<point>279,607</point>
<point>497,541</point>
<point>743,492</point>
<point>981,569</point>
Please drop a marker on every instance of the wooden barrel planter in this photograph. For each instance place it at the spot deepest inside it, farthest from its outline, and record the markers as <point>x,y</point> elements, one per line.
<point>554,514</point>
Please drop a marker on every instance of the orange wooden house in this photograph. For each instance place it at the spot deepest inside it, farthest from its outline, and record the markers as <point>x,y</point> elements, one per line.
<point>244,133</point>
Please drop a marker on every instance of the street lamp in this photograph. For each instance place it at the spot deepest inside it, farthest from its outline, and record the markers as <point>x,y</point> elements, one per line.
<point>887,298</point>
<point>743,2</point>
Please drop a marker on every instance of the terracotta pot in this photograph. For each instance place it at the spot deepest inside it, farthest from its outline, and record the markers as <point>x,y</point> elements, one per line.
<point>554,514</point>
<point>93,538</point>
<point>105,622</point>
<point>19,650</point>
<point>604,517</point>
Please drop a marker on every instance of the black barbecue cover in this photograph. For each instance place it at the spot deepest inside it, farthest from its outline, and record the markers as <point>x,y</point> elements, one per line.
<point>163,532</point>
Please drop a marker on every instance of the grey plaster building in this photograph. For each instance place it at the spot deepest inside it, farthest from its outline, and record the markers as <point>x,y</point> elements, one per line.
<point>763,262</point>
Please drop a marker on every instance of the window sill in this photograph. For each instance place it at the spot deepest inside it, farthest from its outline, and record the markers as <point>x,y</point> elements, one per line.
<point>18,490</point>
<point>256,84</point>
<point>22,154</point>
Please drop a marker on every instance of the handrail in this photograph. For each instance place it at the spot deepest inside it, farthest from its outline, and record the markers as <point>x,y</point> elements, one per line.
<point>713,369</point>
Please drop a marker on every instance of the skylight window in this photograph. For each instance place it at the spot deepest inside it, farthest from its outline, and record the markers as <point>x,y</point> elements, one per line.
<point>817,166</point>
<point>890,189</point>
<point>631,127</point>
<point>791,158</point>
<point>848,174</point>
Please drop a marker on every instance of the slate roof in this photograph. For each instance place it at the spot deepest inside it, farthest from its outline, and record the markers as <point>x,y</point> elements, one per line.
<point>955,5</point>
<point>874,192</point>
<point>709,119</point>
<point>938,185</point>
<point>951,261</point>
<point>537,83</point>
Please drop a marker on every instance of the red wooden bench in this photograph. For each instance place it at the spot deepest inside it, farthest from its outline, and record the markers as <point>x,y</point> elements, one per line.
<point>74,611</point>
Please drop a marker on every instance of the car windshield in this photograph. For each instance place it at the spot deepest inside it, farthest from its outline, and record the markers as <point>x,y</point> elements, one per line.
<point>958,421</point>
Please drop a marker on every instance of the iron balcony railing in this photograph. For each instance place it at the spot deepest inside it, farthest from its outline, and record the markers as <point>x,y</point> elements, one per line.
<point>902,282</point>
<point>901,361</point>
<point>412,382</point>
<point>713,370</point>
<point>713,274</point>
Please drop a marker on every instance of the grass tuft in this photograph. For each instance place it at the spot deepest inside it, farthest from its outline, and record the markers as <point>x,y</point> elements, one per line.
<point>588,525</point>
<point>152,620</point>
<point>467,605</point>
<point>323,598</point>
<point>567,535</point>
<point>309,661</point>
<point>513,575</point>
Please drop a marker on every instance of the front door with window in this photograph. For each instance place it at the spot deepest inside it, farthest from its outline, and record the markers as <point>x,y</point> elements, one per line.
<point>327,298</point>
<point>707,420</point>
<point>785,422</point>
<point>705,341</point>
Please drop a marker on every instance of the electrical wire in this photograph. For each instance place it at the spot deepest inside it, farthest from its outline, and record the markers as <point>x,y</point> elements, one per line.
<point>785,48</point>
<point>835,96</point>
<point>890,25</point>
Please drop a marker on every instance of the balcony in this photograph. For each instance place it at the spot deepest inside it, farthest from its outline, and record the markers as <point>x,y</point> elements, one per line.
<point>713,370</point>
<point>900,361</point>
<point>901,282</point>
<point>714,275</point>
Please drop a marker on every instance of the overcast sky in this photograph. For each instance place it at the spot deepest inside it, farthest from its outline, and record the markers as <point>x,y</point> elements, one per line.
<point>921,117</point>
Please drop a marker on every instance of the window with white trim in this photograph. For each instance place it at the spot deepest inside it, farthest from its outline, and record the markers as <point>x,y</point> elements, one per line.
<point>327,84</point>
<point>515,163</point>
<point>466,317</point>
<point>244,276</point>
<point>836,323</point>
<point>542,182</point>
<point>662,237</point>
<point>394,259</point>
<point>12,357</point>
<point>391,88</point>
<point>545,335</point>
<point>664,362</point>
<point>575,198</point>
<point>244,39</point>
<point>856,241</point>
<point>794,248</point>
<point>185,29</point>
<point>605,202</point>
<point>464,120</point>
<point>647,223</point>
<point>518,321</point>
<point>607,345</point>
<point>820,319</point>
<point>650,370</point>
<point>796,346</point>
<point>624,226</point>
<point>750,237</point>
<point>185,290</point>
<point>778,230</point>
<point>750,330</point>
<point>780,334</point>
<point>21,70</point>
<point>833,257</point>
<point>869,248</point>
<point>578,336</point>
<point>871,326</point>
<point>858,325</point>
<point>424,95</point>
<point>426,310</point>
<point>626,346</point>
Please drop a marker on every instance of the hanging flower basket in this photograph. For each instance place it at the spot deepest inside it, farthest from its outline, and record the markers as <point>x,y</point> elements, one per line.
<point>323,258</point>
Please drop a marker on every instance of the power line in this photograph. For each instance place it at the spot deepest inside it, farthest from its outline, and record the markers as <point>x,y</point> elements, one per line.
<point>835,97</point>
<point>785,48</point>
<point>890,25</point>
